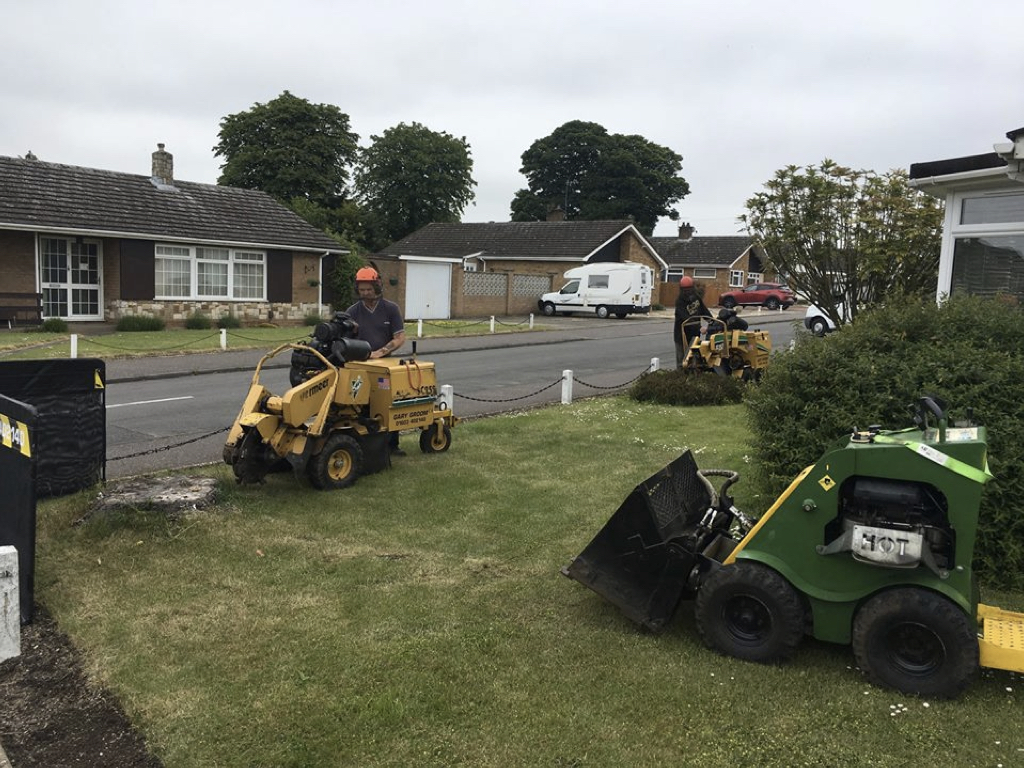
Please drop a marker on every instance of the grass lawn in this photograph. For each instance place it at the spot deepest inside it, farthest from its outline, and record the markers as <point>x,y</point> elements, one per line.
<point>419,618</point>
<point>32,345</point>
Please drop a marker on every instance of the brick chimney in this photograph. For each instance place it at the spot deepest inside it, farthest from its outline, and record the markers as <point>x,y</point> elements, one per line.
<point>163,165</point>
<point>686,231</point>
<point>556,214</point>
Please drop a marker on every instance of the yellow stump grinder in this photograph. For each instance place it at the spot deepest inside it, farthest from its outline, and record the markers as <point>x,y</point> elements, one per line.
<point>334,422</point>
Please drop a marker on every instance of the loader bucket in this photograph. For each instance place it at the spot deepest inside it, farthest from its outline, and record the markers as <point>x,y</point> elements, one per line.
<point>641,560</point>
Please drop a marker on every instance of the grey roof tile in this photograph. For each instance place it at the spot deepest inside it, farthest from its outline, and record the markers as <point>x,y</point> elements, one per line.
<point>38,195</point>
<point>701,251</point>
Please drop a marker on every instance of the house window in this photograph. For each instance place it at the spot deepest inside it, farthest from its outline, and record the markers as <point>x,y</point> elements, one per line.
<point>736,278</point>
<point>988,244</point>
<point>754,277</point>
<point>673,274</point>
<point>198,272</point>
<point>70,277</point>
<point>705,273</point>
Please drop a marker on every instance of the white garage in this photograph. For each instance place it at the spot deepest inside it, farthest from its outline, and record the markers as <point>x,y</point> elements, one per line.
<point>428,289</point>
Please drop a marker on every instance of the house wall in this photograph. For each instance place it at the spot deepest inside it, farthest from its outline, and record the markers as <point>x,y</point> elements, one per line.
<point>631,249</point>
<point>18,255</point>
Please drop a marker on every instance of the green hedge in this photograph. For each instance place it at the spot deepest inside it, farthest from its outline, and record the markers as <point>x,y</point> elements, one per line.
<point>687,388</point>
<point>969,352</point>
<point>139,323</point>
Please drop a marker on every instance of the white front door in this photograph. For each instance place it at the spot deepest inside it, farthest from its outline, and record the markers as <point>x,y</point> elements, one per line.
<point>428,291</point>
<point>71,278</point>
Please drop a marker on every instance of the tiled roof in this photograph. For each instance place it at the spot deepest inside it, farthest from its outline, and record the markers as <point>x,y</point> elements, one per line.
<point>701,251</point>
<point>510,240</point>
<point>38,195</point>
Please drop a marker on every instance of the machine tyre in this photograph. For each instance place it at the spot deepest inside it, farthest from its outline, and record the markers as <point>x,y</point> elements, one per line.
<point>915,641</point>
<point>430,443</point>
<point>729,302</point>
<point>602,312</point>
<point>338,465</point>
<point>548,309</point>
<point>750,611</point>
<point>819,327</point>
<point>771,303</point>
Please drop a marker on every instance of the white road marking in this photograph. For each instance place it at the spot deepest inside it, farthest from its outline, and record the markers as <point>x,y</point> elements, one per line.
<point>148,402</point>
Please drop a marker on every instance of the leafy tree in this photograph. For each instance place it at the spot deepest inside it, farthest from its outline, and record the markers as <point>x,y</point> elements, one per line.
<point>841,235</point>
<point>411,176</point>
<point>592,174</point>
<point>290,149</point>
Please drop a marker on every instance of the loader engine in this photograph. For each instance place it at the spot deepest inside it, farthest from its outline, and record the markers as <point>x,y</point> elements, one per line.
<point>336,340</point>
<point>892,523</point>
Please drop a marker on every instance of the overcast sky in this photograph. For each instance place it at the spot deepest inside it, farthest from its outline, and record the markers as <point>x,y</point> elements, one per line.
<point>738,88</point>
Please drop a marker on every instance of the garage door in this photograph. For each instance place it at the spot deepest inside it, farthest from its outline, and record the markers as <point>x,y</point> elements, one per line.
<point>428,292</point>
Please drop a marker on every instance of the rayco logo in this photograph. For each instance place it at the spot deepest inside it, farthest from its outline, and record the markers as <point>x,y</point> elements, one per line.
<point>315,388</point>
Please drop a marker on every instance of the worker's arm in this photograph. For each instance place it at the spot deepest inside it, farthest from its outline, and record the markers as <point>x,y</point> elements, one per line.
<point>396,342</point>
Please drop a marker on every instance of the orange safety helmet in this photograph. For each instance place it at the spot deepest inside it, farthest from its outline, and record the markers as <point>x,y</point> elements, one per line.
<point>370,275</point>
<point>686,281</point>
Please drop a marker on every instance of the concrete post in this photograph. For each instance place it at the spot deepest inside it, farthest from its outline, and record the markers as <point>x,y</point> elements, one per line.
<point>419,328</point>
<point>566,387</point>
<point>492,323</point>
<point>655,364</point>
<point>223,338</point>
<point>74,345</point>
<point>10,607</point>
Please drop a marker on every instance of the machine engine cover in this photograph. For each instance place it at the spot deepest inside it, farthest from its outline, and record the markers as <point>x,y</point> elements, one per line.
<point>890,547</point>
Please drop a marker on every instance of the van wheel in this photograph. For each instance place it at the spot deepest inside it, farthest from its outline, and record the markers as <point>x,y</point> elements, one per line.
<point>548,308</point>
<point>818,326</point>
<point>602,312</point>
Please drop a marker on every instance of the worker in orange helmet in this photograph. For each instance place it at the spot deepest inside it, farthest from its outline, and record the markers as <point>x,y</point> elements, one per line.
<point>380,323</point>
<point>689,310</point>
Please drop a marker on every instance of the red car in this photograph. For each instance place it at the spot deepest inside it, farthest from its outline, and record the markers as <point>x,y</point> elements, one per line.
<point>767,295</point>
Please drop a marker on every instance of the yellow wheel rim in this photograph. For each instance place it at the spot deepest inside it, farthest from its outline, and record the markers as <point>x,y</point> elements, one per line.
<point>340,465</point>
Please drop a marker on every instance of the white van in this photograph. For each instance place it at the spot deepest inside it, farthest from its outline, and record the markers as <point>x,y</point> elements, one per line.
<point>607,288</point>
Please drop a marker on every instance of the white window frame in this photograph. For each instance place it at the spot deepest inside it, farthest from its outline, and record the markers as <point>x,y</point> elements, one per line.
<point>674,274</point>
<point>736,278</point>
<point>754,278</point>
<point>705,273</point>
<point>233,258</point>
<point>69,286</point>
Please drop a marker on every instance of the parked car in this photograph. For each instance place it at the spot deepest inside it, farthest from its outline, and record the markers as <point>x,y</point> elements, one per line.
<point>767,295</point>
<point>818,323</point>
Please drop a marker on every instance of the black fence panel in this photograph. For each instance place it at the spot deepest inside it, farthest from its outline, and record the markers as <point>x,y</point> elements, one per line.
<point>18,495</point>
<point>69,397</point>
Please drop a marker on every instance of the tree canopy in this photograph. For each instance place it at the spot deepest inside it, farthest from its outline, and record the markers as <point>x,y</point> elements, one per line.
<point>289,148</point>
<point>842,235</point>
<point>411,176</point>
<point>591,174</point>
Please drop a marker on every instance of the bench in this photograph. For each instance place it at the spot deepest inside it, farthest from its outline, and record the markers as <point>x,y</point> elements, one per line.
<point>21,309</point>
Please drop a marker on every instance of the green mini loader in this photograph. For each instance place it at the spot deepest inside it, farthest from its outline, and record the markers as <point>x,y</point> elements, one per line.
<point>870,546</point>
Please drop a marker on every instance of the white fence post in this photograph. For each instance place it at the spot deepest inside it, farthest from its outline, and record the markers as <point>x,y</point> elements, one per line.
<point>492,323</point>
<point>531,321</point>
<point>566,387</point>
<point>447,397</point>
<point>419,328</point>
<point>223,338</point>
<point>74,345</point>
<point>10,606</point>
<point>655,364</point>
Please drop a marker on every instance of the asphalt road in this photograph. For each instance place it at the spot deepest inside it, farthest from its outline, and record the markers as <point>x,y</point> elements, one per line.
<point>489,375</point>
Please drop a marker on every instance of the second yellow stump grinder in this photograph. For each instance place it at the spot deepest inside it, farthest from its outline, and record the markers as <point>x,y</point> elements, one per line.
<point>334,422</point>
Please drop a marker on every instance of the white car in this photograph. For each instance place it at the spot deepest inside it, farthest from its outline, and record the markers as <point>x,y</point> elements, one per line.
<point>817,322</point>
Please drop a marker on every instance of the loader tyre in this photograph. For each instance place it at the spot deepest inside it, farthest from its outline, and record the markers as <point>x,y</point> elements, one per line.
<point>431,443</point>
<point>338,465</point>
<point>915,641</point>
<point>750,611</point>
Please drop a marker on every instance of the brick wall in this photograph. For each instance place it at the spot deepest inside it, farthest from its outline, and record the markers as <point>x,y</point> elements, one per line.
<point>249,313</point>
<point>18,256</point>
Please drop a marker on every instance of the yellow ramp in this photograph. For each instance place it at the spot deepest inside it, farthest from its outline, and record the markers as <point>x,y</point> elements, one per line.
<point>1001,644</point>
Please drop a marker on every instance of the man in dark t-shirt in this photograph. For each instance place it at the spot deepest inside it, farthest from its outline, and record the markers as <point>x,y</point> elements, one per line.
<point>380,324</point>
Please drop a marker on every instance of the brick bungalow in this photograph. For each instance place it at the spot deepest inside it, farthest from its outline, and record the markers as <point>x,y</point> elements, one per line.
<point>99,245</point>
<point>474,270</point>
<point>718,264</point>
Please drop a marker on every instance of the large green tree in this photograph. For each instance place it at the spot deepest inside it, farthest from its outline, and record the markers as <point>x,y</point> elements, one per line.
<point>848,236</point>
<point>289,148</point>
<point>411,176</point>
<point>592,174</point>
